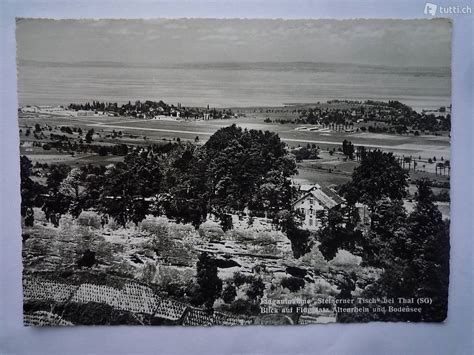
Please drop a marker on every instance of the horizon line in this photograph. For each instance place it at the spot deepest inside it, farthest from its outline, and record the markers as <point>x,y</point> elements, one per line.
<point>179,63</point>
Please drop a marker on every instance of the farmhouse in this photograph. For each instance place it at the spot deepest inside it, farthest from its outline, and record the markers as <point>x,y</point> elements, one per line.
<point>314,203</point>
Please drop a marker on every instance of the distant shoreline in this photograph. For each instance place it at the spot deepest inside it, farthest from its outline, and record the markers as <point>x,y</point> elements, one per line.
<point>325,102</point>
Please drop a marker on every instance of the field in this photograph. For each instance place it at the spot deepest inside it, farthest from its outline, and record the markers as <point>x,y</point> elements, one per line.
<point>424,146</point>
<point>330,170</point>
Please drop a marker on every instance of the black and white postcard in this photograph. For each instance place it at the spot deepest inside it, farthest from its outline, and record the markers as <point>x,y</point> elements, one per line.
<point>201,172</point>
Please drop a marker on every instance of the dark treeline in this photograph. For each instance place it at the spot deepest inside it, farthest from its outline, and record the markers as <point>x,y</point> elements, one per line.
<point>138,106</point>
<point>412,249</point>
<point>65,145</point>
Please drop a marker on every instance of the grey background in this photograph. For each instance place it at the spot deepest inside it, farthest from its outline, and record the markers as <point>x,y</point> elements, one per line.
<point>452,337</point>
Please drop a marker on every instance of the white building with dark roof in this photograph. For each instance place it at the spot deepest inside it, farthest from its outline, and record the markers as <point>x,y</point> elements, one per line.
<point>314,203</point>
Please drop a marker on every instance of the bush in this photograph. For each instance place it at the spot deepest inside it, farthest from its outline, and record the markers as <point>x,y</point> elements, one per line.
<point>181,231</point>
<point>240,279</point>
<point>113,225</point>
<point>320,287</point>
<point>255,291</point>
<point>211,230</point>
<point>241,306</point>
<point>88,314</point>
<point>344,258</point>
<point>292,283</point>
<point>155,225</point>
<point>89,219</point>
<point>87,260</point>
<point>242,236</point>
<point>314,258</point>
<point>229,293</point>
<point>170,278</point>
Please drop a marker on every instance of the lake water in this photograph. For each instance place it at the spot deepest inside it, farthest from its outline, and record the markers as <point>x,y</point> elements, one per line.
<point>230,85</point>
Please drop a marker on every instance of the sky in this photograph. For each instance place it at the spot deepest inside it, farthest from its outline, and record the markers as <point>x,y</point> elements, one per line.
<point>401,43</point>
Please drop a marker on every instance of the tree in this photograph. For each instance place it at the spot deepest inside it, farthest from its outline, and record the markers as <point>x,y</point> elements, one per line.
<point>379,175</point>
<point>103,151</point>
<point>238,163</point>
<point>386,240</point>
<point>414,255</point>
<point>209,284</point>
<point>348,149</point>
<point>311,118</point>
<point>289,222</point>
<point>129,185</point>
<point>304,153</point>
<point>56,203</point>
<point>88,259</point>
<point>338,231</point>
<point>184,179</point>
<point>346,286</point>
<point>72,188</point>
<point>235,170</point>
<point>29,217</point>
<point>30,190</point>
<point>89,135</point>
<point>430,239</point>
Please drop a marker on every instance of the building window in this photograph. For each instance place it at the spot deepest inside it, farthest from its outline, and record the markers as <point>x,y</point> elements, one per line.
<point>311,201</point>
<point>310,222</point>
